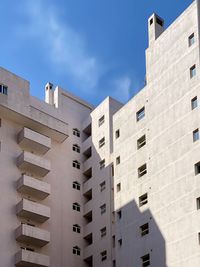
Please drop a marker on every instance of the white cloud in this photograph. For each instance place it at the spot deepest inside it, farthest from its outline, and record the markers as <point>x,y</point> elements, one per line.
<point>63,45</point>
<point>122,87</point>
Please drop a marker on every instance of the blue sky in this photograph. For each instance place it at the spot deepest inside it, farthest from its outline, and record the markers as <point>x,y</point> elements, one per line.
<point>91,48</point>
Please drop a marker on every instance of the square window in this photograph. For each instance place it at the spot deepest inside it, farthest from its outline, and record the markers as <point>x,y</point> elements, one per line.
<point>120,242</point>
<point>118,187</point>
<point>117,134</point>
<point>144,229</point>
<point>118,160</point>
<point>76,185</point>
<point>193,71</point>
<point>102,164</point>
<point>103,186</point>
<point>102,142</point>
<point>195,135</point>
<point>141,142</point>
<point>145,260</point>
<point>143,200</point>
<point>103,232</point>
<point>194,103</point>
<point>103,208</point>
<point>140,114</point>
<point>103,255</point>
<point>3,89</point>
<point>191,39</point>
<point>197,168</point>
<point>76,132</point>
<point>119,214</point>
<point>142,170</point>
<point>101,120</point>
<point>198,203</point>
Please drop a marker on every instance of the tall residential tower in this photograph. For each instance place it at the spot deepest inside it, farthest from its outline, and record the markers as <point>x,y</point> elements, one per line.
<point>108,186</point>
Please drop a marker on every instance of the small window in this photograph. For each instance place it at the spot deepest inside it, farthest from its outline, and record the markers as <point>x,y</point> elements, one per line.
<point>193,71</point>
<point>197,168</point>
<point>76,164</point>
<point>76,207</point>
<point>76,251</point>
<point>141,142</point>
<point>102,142</point>
<point>120,242</point>
<point>76,132</point>
<point>118,187</point>
<point>145,260</point>
<point>144,229</point>
<point>194,103</point>
<point>76,148</point>
<point>151,21</point>
<point>191,39</point>
<point>76,185</point>
<point>103,255</point>
<point>103,186</point>
<point>3,89</point>
<point>195,135</point>
<point>112,170</point>
<point>140,114</point>
<point>119,214</point>
<point>198,203</point>
<point>118,160</point>
<point>103,208</point>
<point>142,170</point>
<point>103,232</point>
<point>102,164</point>
<point>117,134</point>
<point>76,228</point>
<point>101,120</point>
<point>143,200</point>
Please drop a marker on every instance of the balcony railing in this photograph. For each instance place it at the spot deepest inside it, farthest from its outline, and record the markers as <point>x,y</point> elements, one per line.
<point>33,211</point>
<point>33,164</point>
<point>32,141</point>
<point>32,235</point>
<point>25,258</point>
<point>33,187</point>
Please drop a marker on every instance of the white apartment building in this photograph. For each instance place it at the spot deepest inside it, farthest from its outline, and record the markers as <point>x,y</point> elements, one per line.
<point>108,186</point>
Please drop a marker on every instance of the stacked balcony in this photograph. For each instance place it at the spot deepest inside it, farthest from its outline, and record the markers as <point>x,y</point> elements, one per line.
<point>32,141</point>
<point>34,187</point>
<point>32,235</point>
<point>25,258</point>
<point>34,164</point>
<point>33,211</point>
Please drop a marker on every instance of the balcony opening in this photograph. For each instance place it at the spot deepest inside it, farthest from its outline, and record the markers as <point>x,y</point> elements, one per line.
<point>87,175</point>
<point>87,153</point>
<point>88,239</point>
<point>89,261</point>
<point>88,217</point>
<point>88,195</point>
<point>87,132</point>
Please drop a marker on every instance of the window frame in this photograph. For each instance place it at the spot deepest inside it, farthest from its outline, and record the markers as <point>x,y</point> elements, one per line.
<point>193,71</point>
<point>117,133</point>
<point>143,200</point>
<point>102,186</point>
<point>142,170</point>
<point>140,114</point>
<point>145,260</point>
<point>191,39</point>
<point>76,164</point>
<point>76,132</point>
<point>76,185</point>
<point>195,135</point>
<point>76,250</point>
<point>141,142</point>
<point>144,229</point>
<point>101,120</point>
<point>76,206</point>
<point>104,255</point>
<point>76,228</point>
<point>76,148</point>
<point>102,142</point>
<point>103,208</point>
<point>102,164</point>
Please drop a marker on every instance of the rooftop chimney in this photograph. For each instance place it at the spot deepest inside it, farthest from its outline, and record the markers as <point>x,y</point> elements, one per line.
<point>155,27</point>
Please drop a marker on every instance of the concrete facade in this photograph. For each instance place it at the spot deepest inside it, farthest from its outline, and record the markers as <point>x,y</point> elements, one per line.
<point>113,185</point>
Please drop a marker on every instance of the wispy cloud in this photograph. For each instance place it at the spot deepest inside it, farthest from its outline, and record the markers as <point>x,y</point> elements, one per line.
<point>67,52</point>
<point>64,46</point>
<point>122,87</point>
